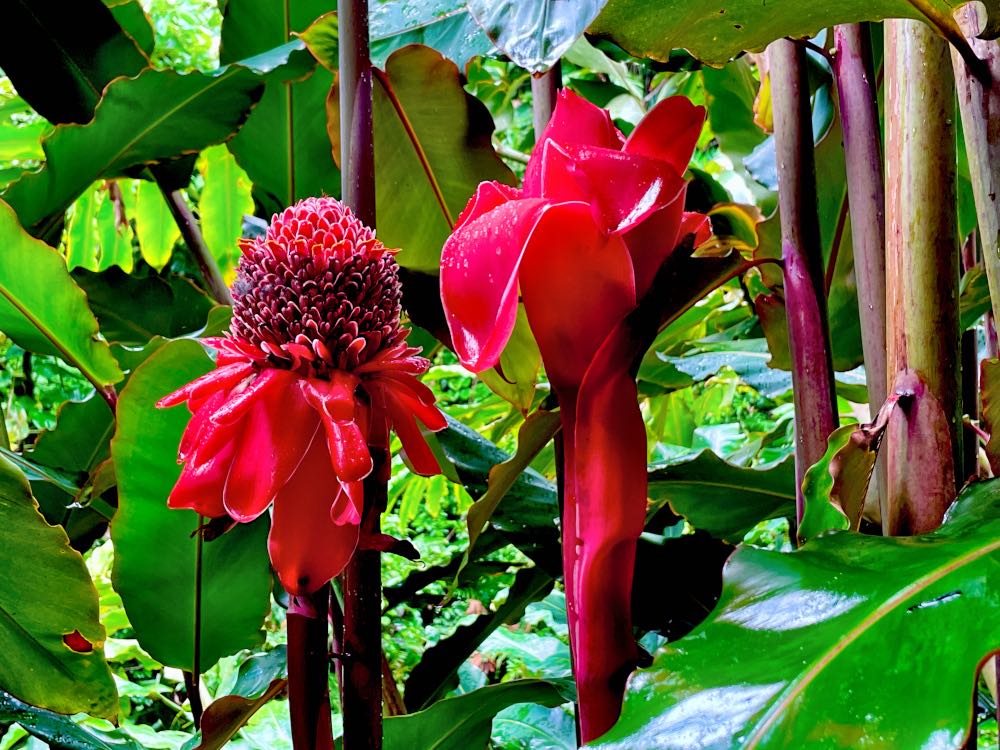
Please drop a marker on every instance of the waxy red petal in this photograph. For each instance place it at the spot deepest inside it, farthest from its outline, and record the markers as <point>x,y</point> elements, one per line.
<point>623,188</point>
<point>577,284</point>
<point>335,402</point>
<point>479,266</point>
<point>652,241</point>
<point>488,196</point>
<point>403,410</point>
<point>574,121</point>
<point>222,378</point>
<point>307,548</point>
<point>668,132</point>
<point>275,434</point>
<point>609,468</point>
<point>201,484</point>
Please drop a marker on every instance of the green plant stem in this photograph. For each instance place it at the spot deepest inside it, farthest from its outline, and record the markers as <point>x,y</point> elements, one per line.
<point>921,280</point>
<point>980,111</point>
<point>805,304</point>
<point>195,241</point>
<point>308,671</point>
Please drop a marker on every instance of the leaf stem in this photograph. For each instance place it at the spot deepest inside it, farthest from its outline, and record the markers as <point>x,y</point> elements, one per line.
<point>195,241</point>
<point>308,671</point>
<point>805,303</point>
<point>544,89</point>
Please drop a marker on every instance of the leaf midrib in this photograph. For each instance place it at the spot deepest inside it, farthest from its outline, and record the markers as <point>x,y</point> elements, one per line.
<point>904,595</point>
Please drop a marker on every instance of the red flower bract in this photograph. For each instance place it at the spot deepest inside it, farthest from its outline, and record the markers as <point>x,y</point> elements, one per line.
<point>582,241</point>
<point>314,370</point>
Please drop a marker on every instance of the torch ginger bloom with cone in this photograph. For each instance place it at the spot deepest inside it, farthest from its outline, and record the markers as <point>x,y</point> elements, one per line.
<point>582,240</point>
<point>314,370</point>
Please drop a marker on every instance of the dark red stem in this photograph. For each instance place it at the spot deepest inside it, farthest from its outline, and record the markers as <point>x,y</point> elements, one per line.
<point>361,688</point>
<point>544,89</point>
<point>193,690</point>
<point>805,304</point>
<point>308,671</point>
<point>357,165</point>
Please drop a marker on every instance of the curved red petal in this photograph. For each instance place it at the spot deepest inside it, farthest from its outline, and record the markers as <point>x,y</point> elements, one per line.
<point>574,121</point>
<point>577,284</point>
<point>488,196</point>
<point>335,402</point>
<point>652,241</point>
<point>668,132</point>
<point>307,548</point>
<point>201,484</point>
<point>276,432</point>
<point>609,467</point>
<point>697,224</point>
<point>240,402</point>
<point>624,188</point>
<point>199,423</point>
<point>401,409</point>
<point>347,506</point>
<point>349,454</point>
<point>479,265</point>
<point>221,378</point>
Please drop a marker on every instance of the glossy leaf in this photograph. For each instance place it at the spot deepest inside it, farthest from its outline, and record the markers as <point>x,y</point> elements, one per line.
<point>283,147</point>
<point>464,721</point>
<point>225,200</point>
<point>520,362</point>
<point>57,69</point>
<point>114,233</point>
<point>133,19</point>
<point>52,641</point>
<point>44,311</point>
<point>534,33</point>
<point>445,25</point>
<point>821,514</point>
<point>157,115</point>
<point>432,148</point>
<point>154,225</point>
<point>222,584</point>
<point>60,730</point>
<point>794,656</point>
<point>718,32</point>
<point>723,499</point>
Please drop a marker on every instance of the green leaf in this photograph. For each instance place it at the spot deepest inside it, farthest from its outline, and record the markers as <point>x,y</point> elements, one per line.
<point>51,638</point>
<point>820,514</point>
<point>284,146</point>
<point>225,199</point>
<point>133,19</point>
<point>81,234</point>
<point>520,362</point>
<point>133,309</point>
<point>974,297</point>
<point>535,727</point>
<point>721,498</point>
<point>80,439</point>
<point>58,70</point>
<point>432,149</point>
<point>114,237</point>
<point>222,584</point>
<point>731,92</point>
<point>43,310</point>
<point>445,25</point>
<point>21,142</point>
<point>805,646</point>
<point>534,33</point>
<point>61,731</point>
<point>157,115</point>
<point>435,673</point>
<point>154,225</point>
<point>464,721</point>
<point>717,32</point>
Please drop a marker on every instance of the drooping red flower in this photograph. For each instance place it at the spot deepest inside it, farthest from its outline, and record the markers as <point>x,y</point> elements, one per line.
<point>580,243</point>
<point>314,370</point>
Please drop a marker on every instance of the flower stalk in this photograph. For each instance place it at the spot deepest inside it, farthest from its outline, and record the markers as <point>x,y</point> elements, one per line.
<point>805,303</point>
<point>308,671</point>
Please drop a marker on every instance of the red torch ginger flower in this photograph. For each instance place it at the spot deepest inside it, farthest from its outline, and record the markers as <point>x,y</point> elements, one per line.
<point>581,242</point>
<point>314,370</point>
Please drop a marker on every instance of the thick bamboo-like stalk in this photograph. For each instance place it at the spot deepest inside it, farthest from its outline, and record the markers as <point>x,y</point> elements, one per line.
<point>361,686</point>
<point>923,439</point>
<point>308,671</point>
<point>980,110</point>
<point>805,303</point>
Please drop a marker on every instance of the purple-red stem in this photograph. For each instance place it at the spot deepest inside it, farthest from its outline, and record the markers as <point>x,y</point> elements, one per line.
<point>361,686</point>
<point>855,77</point>
<point>308,671</point>
<point>195,241</point>
<point>805,304</point>
<point>544,89</point>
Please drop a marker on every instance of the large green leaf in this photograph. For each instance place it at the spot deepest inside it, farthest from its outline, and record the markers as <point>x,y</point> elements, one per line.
<point>60,730</point>
<point>43,310</point>
<point>721,498</point>
<point>534,33</point>
<point>223,584</point>
<point>444,25</point>
<point>157,115</point>
<point>283,147</point>
<point>717,32</point>
<point>432,149</point>
<point>60,56</point>
<point>225,199</point>
<point>464,721</point>
<point>50,637</point>
<point>154,225</point>
<point>849,641</point>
